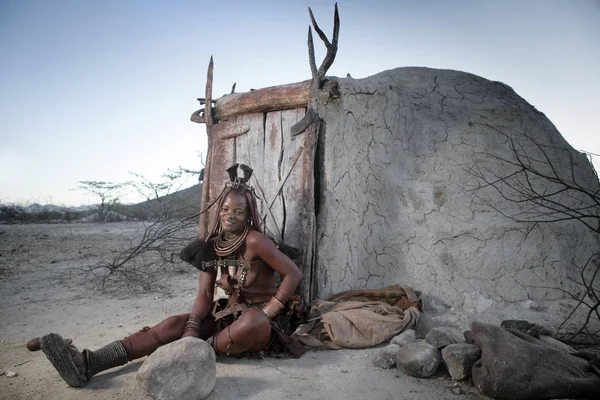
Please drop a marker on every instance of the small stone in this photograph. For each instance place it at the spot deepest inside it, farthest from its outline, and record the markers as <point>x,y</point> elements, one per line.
<point>184,369</point>
<point>386,358</point>
<point>456,390</point>
<point>424,326</point>
<point>442,336</point>
<point>12,374</point>
<point>459,359</point>
<point>408,336</point>
<point>516,324</point>
<point>419,359</point>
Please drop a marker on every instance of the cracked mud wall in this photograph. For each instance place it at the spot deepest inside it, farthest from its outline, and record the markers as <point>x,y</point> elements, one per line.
<point>396,203</point>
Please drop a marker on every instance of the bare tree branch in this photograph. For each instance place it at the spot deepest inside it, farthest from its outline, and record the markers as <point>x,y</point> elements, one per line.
<point>548,184</point>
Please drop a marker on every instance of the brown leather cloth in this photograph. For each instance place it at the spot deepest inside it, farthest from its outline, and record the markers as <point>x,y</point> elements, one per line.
<point>395,295</point>
<point>516,366</point>
<point>354,324</point>
<point>357,319</point>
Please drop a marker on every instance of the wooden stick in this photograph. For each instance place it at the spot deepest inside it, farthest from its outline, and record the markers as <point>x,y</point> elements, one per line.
<point>208,119</point>
<point>294,159</point>
<point>208,114</point>
<point>268,208</point>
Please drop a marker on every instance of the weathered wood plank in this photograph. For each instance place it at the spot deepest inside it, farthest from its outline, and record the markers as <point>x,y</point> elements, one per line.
<point>299,195</point>
<point>272,173</point>
<point>274,98</point>
<point>228,130</point>
<point>249,147</point>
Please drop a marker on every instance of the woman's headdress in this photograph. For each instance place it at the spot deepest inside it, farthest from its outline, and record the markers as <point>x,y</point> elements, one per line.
<point>237,181</point>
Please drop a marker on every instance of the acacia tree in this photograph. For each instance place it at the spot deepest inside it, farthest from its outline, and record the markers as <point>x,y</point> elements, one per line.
<point>109,194</point>
<point>164,231</point>
<point>158,200</point>
<point>549,183</point>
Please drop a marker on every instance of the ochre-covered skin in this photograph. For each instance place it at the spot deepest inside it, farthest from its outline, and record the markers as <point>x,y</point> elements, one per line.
<point>252,331</point>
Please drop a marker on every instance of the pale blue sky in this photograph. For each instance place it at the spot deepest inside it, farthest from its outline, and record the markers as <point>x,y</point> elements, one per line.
<point>90,90</point>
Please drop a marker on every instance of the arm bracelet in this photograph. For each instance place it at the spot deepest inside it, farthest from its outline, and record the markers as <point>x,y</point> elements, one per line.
<point>193,324</point>
<point>273,307</point>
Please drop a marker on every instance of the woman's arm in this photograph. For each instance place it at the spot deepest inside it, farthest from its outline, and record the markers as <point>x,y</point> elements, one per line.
<point>206,290</point>
<point>203,303</point>
<point>263,247</point>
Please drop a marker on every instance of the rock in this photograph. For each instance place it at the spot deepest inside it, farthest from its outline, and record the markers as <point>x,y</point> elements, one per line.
<point>419,359</point>
<point>185,369</point>
<point>459,359</point>
<point>408,336</point>
<point>534,330</point>
<point>12,374</point>
<point>557,344</point>
<point>424,326</point>
<point>386,358</point>
<point>441,337</point>
<point>517,324</point>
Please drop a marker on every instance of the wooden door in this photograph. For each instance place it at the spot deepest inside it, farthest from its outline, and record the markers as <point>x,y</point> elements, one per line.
<point>283,177</point>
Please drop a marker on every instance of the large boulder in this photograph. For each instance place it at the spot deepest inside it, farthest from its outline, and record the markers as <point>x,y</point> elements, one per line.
<point>184,369</point>
<point>402,165</point>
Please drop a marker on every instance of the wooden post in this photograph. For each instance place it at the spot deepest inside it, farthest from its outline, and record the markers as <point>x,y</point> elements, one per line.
<point>208,119</point>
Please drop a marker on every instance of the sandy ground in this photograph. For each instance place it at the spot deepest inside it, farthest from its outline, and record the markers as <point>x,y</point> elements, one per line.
<point>41,292</point>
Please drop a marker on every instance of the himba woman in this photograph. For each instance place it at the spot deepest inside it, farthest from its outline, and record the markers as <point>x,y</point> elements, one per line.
<point>249,321</point>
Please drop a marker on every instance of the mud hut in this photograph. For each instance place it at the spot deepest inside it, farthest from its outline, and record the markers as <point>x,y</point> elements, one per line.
<point>438,179</point>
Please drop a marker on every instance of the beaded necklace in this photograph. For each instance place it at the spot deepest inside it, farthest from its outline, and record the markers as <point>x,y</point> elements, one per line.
<point>224,246</point>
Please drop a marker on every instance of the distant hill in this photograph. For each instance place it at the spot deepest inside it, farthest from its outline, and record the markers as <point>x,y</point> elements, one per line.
<point>180,204</point>
<point>36,208</point>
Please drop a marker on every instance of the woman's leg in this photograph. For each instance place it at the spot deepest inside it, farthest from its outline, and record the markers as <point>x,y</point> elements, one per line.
<point>250,333</point>
<point>147,340</point>
<point>77,367</point>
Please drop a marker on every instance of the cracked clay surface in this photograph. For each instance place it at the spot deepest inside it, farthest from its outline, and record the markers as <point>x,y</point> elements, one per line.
<point>397,204</point>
